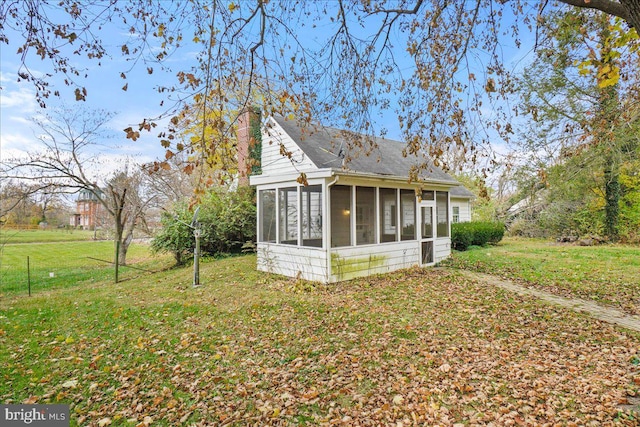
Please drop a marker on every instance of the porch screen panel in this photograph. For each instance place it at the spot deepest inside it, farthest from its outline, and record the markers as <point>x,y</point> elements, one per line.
<point>427,222</point>
<point>388,215</point>
<point>442,214</point>
<point>312,216</point>
<point>340,216</point>
<point>267,216</point>
<point>408,214</point>
<point>365,215</point>
<point>288,198</point>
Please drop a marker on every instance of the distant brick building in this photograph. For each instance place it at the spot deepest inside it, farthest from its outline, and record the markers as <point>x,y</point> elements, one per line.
<point>89,211</point>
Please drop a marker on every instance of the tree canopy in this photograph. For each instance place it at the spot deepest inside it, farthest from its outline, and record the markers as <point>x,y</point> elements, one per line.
<point>435,65</point>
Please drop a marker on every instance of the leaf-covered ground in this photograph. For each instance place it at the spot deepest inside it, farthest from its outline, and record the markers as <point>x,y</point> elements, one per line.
<point>418,347</point>
<point>606,274</point>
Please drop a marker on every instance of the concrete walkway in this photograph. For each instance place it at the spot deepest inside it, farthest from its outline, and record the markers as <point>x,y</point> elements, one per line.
<point>606,314</point>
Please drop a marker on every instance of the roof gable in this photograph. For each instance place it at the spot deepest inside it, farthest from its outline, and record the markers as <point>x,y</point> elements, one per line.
<point>330,148</point>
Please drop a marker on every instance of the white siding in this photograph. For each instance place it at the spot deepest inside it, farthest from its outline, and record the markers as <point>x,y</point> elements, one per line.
<point>273,162</point>
<point>291,261</point>
<point>442,249</point>
<point>350,262</point>
<point>465,208</point>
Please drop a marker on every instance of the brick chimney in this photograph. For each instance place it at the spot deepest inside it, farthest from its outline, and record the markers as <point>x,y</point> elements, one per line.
<point>244,145</point>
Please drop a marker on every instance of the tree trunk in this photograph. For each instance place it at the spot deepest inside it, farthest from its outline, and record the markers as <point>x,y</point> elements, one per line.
<point>612,197</point>
<point>608,116</point>
<point>633,8</point>
<point>124,247</point>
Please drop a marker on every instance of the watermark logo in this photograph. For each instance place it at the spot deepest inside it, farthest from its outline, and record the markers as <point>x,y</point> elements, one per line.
<point>34,415</point>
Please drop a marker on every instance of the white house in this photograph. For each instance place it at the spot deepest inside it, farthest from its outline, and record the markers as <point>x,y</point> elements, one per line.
<point>461,199</point>
<point>325,219</point>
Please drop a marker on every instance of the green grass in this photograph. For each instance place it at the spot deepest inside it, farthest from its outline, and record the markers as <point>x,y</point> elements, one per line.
<point>8,236</point>
<point>420,346</point>
<point>608,274</point>
<point>61,264</point>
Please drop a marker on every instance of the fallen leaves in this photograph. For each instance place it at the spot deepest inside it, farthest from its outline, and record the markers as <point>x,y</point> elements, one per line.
<point>418,347</point>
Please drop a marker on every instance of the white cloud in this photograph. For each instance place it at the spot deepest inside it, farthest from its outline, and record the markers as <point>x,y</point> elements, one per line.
<point>21,100</point>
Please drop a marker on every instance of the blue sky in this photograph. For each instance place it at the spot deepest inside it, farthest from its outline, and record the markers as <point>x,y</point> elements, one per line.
<point>18,103</point>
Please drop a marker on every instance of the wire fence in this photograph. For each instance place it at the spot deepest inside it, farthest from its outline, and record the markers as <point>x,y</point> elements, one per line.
<point>35,267</point>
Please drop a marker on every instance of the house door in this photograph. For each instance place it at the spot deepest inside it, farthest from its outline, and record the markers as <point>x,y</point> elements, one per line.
<point>426,232</point>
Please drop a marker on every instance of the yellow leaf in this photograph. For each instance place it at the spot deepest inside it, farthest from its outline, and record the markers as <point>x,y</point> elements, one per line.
<point>69,340</point>
<point>608,76</point>
<point>232,7</point>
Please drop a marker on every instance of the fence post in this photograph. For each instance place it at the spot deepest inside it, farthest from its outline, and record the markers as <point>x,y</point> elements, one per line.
<point>116,261</point>
<point>29,275</point>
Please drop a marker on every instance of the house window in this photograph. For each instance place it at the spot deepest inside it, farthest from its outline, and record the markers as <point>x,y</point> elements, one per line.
<point>267,232</point>
<point>340,216</point>
<point>288,198</point>
<point>427,195</point>
<point>312,216</point>
<point>365,215</point>
<point>388,215</point>
<point>456,214</point>
<point>442,214</point>
<point>408,214</point>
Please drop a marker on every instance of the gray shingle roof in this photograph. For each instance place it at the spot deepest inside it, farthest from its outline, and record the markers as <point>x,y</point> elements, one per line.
<point>462,192</point>
<point>326,147</point>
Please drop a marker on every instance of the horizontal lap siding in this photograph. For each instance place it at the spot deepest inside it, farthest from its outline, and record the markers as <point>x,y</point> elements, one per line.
<point>465,208</point>
<point>291,260</point>
<point>274,163</point>
<point>348,263</point>
<point>442,249</point>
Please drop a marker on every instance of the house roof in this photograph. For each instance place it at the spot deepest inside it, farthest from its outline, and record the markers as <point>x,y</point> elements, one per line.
<point>461,192</point>
<point>326,147</point>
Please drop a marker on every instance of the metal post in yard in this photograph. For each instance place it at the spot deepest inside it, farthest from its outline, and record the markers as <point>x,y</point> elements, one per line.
<point>29,275</point>
<point>196,258</point>
<point>116,260</point>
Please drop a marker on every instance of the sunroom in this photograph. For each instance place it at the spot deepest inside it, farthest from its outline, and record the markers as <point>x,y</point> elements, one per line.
<point>345,220</point>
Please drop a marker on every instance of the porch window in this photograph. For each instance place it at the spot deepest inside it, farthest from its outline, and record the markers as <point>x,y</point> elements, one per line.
<point>427,223</point>
<point>267,232</point>
<point>340,216</point>
<point>442,213</point>
<point>312,216</point>
<point>388,215</point>
<point>365,215</point>
<point>455,214</point>
<point>408,218</point>
<point>427,195</point>
<point>288,198</point>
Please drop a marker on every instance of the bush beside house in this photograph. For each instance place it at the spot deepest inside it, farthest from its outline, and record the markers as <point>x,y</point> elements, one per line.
<point>478,233</point>
<point>227,221</point>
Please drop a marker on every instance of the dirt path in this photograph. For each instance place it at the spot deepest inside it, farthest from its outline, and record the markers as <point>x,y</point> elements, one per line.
<point>607,314</point>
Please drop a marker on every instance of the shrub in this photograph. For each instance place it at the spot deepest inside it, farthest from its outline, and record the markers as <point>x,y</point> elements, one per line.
<point>227,222</point>
<point>461,236</point>
<point>465,234</point>
<point>175,236</point>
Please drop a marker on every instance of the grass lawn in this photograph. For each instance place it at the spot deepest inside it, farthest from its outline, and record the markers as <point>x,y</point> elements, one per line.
<point>8,236</point>
<point>61,264</point>
<point>417,347</point>
<point>608,274</point>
